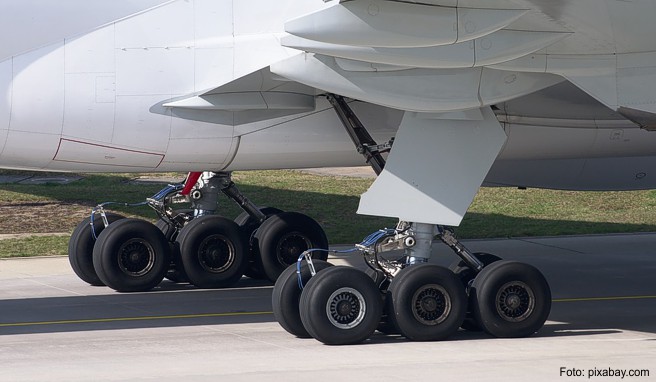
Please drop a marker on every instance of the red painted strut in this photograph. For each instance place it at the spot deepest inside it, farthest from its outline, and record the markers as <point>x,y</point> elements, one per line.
<point>192,178</point>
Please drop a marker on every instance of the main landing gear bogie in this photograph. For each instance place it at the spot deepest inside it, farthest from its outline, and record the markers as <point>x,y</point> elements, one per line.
<point>191,245</point>
<point>407,296</point>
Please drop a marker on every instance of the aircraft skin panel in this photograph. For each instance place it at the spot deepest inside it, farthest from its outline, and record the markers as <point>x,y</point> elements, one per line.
<point>421,90</point>
<point>38,91</point>
<point>6,87</point>
<point>391,24</point>
<point>29,150</point>
<point>78,152</point>
<point>18,18</point>
<point>89,106</point>
<point>594,174</point>
<point>501,46</point>
<point>92,53</point>
<point>313,139</point>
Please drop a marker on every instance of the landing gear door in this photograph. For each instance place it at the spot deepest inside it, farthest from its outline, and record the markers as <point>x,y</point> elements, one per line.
<point>436,166</point>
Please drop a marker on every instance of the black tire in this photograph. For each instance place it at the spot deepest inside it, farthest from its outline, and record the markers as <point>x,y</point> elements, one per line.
<point>466,276</point>
<point>284,237</point>
<point>428,302</point>
<point>287,296</point>
<point>340,306</point>
<point>131,255</point>
<point>511,299</point>
<point>212,252</point>
<point>248,226</point>
<point>80,248</point>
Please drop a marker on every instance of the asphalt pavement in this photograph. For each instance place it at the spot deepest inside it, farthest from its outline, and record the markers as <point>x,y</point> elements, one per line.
<point>54,327</point>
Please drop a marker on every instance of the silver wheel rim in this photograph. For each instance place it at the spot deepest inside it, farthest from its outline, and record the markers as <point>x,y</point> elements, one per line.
<point>346,308</point>
<point>515,301</point>
<point>136,257</point>
<point>216,253</point>
<point>431,304</point>
<point>290,246</point>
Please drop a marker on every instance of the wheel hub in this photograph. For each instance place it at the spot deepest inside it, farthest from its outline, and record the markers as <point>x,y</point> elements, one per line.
<point>216,253</point>
<point>432,304</point>
<point>515,301</point>
<point>291,246</point>
<point>346,308</point>
<point>136,257</point>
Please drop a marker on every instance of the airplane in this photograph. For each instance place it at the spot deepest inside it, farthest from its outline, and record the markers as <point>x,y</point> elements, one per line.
<point>440,97</point>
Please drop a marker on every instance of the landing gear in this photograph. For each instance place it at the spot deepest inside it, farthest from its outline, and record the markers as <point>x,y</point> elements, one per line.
<point>421,301</point>
<point>195,245</point>
<point>403,294</point>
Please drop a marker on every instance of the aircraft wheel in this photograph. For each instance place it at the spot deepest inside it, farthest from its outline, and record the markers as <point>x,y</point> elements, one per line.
<point>212,252</point>
<point>284,237</point>
<point>131,255</point>
<point>511,299</point>
<point>248,226</point>
<point>429,302</point>
<point>466,275</point>
<point>340,306</point>
<point>80,248</point>
<point>287,295</point>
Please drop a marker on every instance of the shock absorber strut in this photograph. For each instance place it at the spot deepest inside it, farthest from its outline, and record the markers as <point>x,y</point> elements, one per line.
<point>364,142</point>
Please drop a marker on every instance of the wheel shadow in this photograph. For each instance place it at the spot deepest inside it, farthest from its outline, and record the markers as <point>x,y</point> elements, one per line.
<point>168,305</point>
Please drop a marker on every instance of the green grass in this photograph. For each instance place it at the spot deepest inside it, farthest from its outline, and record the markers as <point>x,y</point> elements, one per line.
<point>332,201</point>
<point>34,246</point>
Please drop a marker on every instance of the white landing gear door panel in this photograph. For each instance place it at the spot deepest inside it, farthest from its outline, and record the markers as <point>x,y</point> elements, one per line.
<point>436,166</point>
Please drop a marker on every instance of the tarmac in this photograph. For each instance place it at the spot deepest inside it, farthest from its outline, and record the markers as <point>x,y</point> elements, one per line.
<point>54,327</point>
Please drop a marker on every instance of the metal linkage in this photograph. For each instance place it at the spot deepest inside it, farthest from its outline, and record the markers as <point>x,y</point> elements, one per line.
<point>229,188</point>
<point>448,237</point>
<point>160,202</point>
<point>364,142</point>
<point>205,195</point>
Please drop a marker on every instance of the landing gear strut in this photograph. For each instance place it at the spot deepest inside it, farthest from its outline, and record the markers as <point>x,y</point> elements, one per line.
<point>195,245</point>
<point>418,300</point>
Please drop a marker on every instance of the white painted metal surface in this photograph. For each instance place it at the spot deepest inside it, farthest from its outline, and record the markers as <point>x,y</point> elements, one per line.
<point>218,84</point>
<point>380,23</point>
<point>421,90</point>
<point>498,47</point>
<point>458,155</point>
